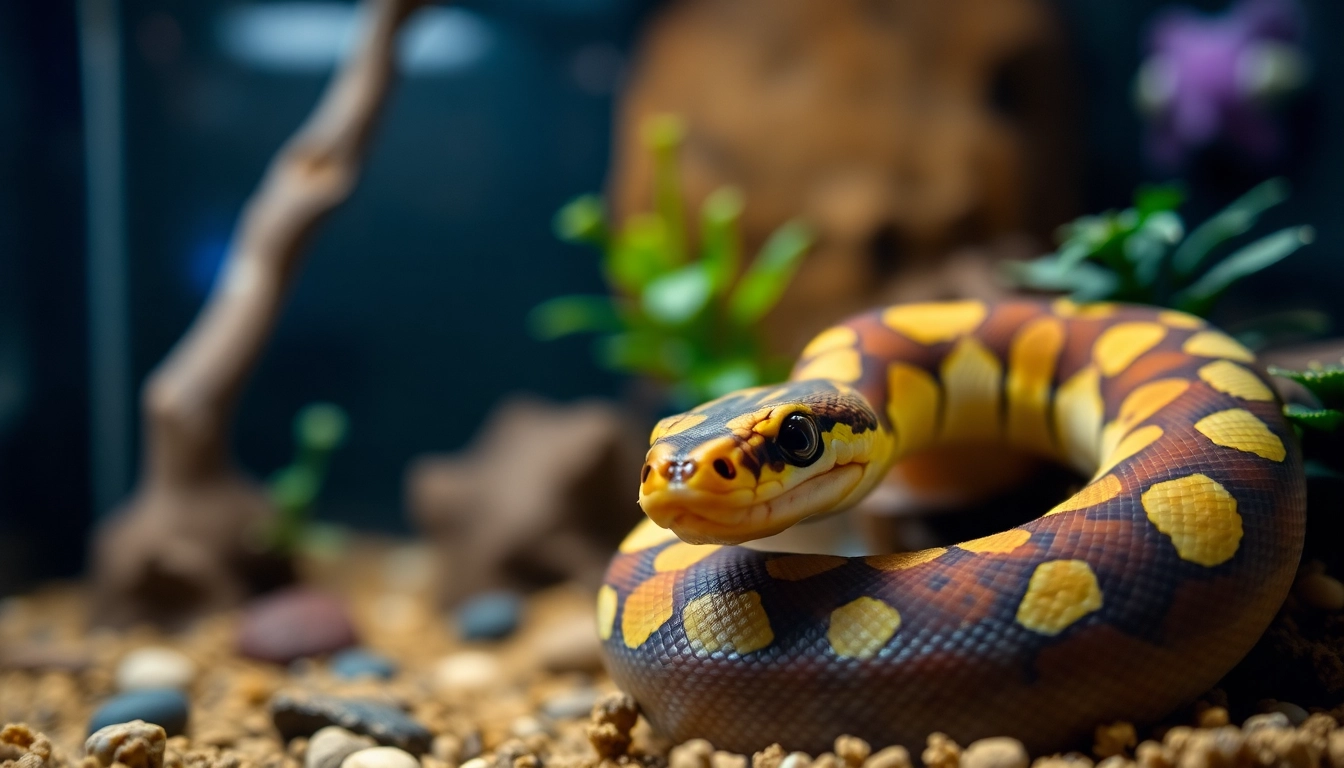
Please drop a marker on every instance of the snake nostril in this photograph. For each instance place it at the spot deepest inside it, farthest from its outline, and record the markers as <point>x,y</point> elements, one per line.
<point>725,469</point>
<point>648,469</point>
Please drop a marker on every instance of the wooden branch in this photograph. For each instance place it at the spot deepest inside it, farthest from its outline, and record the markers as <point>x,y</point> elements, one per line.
<point>189,399</point>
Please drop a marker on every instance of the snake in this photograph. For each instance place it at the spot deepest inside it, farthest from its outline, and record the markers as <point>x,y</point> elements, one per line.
<point>1125,601</point>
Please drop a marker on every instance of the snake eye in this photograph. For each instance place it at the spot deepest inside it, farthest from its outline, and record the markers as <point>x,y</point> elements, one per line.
<point>799,439</point>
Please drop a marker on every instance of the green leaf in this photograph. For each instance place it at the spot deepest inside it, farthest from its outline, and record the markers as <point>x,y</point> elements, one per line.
<point>1050,273</point>
<point>641,254</point>
<point>1158,198</point>
<point>1236,219</point>
<point>722,249</point>
<point>321,427</point>
<point>294,488</point>
<point>1199,297</point>
<point>1326,383</point>
<point>582,220</point>
<point>764,282</point>
<point>663,135</point>
<point>646,353</point>
<point>565,315</point>
<point>677,297</point>
<point>1319,419</point>
<point>1280,328</point>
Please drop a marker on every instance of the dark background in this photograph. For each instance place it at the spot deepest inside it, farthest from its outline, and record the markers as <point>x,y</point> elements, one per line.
<point>410,309</point>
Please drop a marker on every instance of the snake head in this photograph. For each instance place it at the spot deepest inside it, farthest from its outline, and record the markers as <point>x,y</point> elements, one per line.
<point>752,463</point>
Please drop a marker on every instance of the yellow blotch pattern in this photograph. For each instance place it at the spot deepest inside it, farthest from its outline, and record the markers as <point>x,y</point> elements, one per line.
<point>1198,515</point>
<point>1091,311</point>
<point>901,561</point>
<point>1180,319</point>
<point>606,611</point>
<point>647,608</point>
<point>1133,443</point>
<point>674,425</point>
<point>935,322</point>
<point>681,555</point>
<point>860,628</point>
<point>799,567</point>
<point>1031,372</point>
<point>1078,412</point>
<point>1139,406</point>
<point>837,365</point>
<point>912,407</point>
<point>732,622</point>
<point>1240,429</point>
<point>973,379</point>
<point>1060,593</point>
<point>1121,344</point>
<point>997,543</point>
<point>1097,492</point>
<point>646,534</point>
<point>1232,379</point>
<point>839,337</point>
<point>1217,344</point>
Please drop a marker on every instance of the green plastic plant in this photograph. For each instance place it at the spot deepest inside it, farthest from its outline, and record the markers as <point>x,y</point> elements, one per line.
<point>319,429</point>
<point>689,321</point>
<point>1143,254</point>
<point>1321,428</point>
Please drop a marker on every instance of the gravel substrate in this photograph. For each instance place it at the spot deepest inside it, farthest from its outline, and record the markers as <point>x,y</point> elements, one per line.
<point>413,691</point>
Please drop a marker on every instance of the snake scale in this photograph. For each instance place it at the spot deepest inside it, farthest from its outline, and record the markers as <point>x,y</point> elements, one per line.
<point>1124,601</point>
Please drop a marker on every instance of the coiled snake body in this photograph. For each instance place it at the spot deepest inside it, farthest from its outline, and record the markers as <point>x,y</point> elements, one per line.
<point>1124,601</point>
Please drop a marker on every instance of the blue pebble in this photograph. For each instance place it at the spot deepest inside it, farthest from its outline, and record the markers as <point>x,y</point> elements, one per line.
<point>489,616</point>
<point>357,662</point>
<point>165,707</point>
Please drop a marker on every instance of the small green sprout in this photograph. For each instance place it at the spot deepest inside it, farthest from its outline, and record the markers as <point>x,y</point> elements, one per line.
<point>1144,254</point>
<point>689,321</point>
<point>319,429</point>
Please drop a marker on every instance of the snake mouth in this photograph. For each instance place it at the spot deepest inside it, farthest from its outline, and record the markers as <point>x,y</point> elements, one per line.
<point>702,518</point>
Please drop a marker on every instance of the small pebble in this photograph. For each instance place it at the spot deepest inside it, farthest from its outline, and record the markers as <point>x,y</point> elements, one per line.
<point>489,616</point>
<point>998,752</point>
<point>165,707</point>
<point>571,704</point>
<point>796,760</point>
<point>476,762</point>
<point>154,667</point>
<point>329,747</point>
<point>294,623</point>
<point>526,727</point>
<point>381,757</point>
<point>1266,720</point>
<point>303,714</point>
<point>891,757</point>
<point>1296,715</point>
<point>852,750</point>
<point>696,753</point>
<point>354,663</point>
<point>467,672</point>
<point>136,744</point>
<point>1320,591</point>
<point>570,645</point>
<point>724,759</point>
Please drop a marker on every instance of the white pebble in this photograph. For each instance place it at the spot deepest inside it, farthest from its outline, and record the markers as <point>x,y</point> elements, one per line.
<point>476,762</point>
<point>467,672</point>
<point>154,667</point>
<point>999,752</point>
<point>381,757</point>
<point>526,726</point>
<point>796,760</point>
<point>329,747</point>
<point>571,704</point>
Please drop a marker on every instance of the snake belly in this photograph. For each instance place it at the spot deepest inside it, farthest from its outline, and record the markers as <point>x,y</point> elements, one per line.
<point>1125,601</point>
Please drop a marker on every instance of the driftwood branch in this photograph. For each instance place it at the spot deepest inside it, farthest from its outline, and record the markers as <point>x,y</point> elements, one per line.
<point>181,544</point>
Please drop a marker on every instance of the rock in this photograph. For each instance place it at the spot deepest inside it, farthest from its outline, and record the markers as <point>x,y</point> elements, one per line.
<point>303,714</point>
<point>570,704</point>
<point>27,748</point>
<point>998,752</point>
<point>852,750</point>
<point>1266,720</point>
<point>295,623</point>
<point>467,672</point>
<point>570,645</point>
<point>891,757</point>
<point>329,747</point>
<point>796,760</point>
<point>354,663</point>
<point>381,757</point>
<point>1320,591</point>
<point>136,744</point>
<point>489,616</point>
<point>526,726</point>
<point>154,667</point>
<point>165,707</point>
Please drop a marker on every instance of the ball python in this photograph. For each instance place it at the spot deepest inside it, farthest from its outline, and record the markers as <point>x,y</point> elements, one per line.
<point>1129,598</point>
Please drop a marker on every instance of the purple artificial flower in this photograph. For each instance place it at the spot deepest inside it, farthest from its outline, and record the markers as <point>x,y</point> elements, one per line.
<point>1217,78</point>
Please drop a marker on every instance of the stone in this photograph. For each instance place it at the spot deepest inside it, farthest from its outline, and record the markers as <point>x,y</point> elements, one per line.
<point>329,747</point>
<point>295,623</point>
<point>1320,591</point>
<point>136,744</point>
<point>165,707</point>
<point>381,757</point>
<point>570,704</point>
<point>467,672</point>
<point>998,752</point>
<point>154,667</point>
<point>490,616</point>
<point>303,714</point>
<point>354,663</point>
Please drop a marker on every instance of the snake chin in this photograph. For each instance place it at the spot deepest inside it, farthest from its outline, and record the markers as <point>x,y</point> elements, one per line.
<point>697,519</point>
